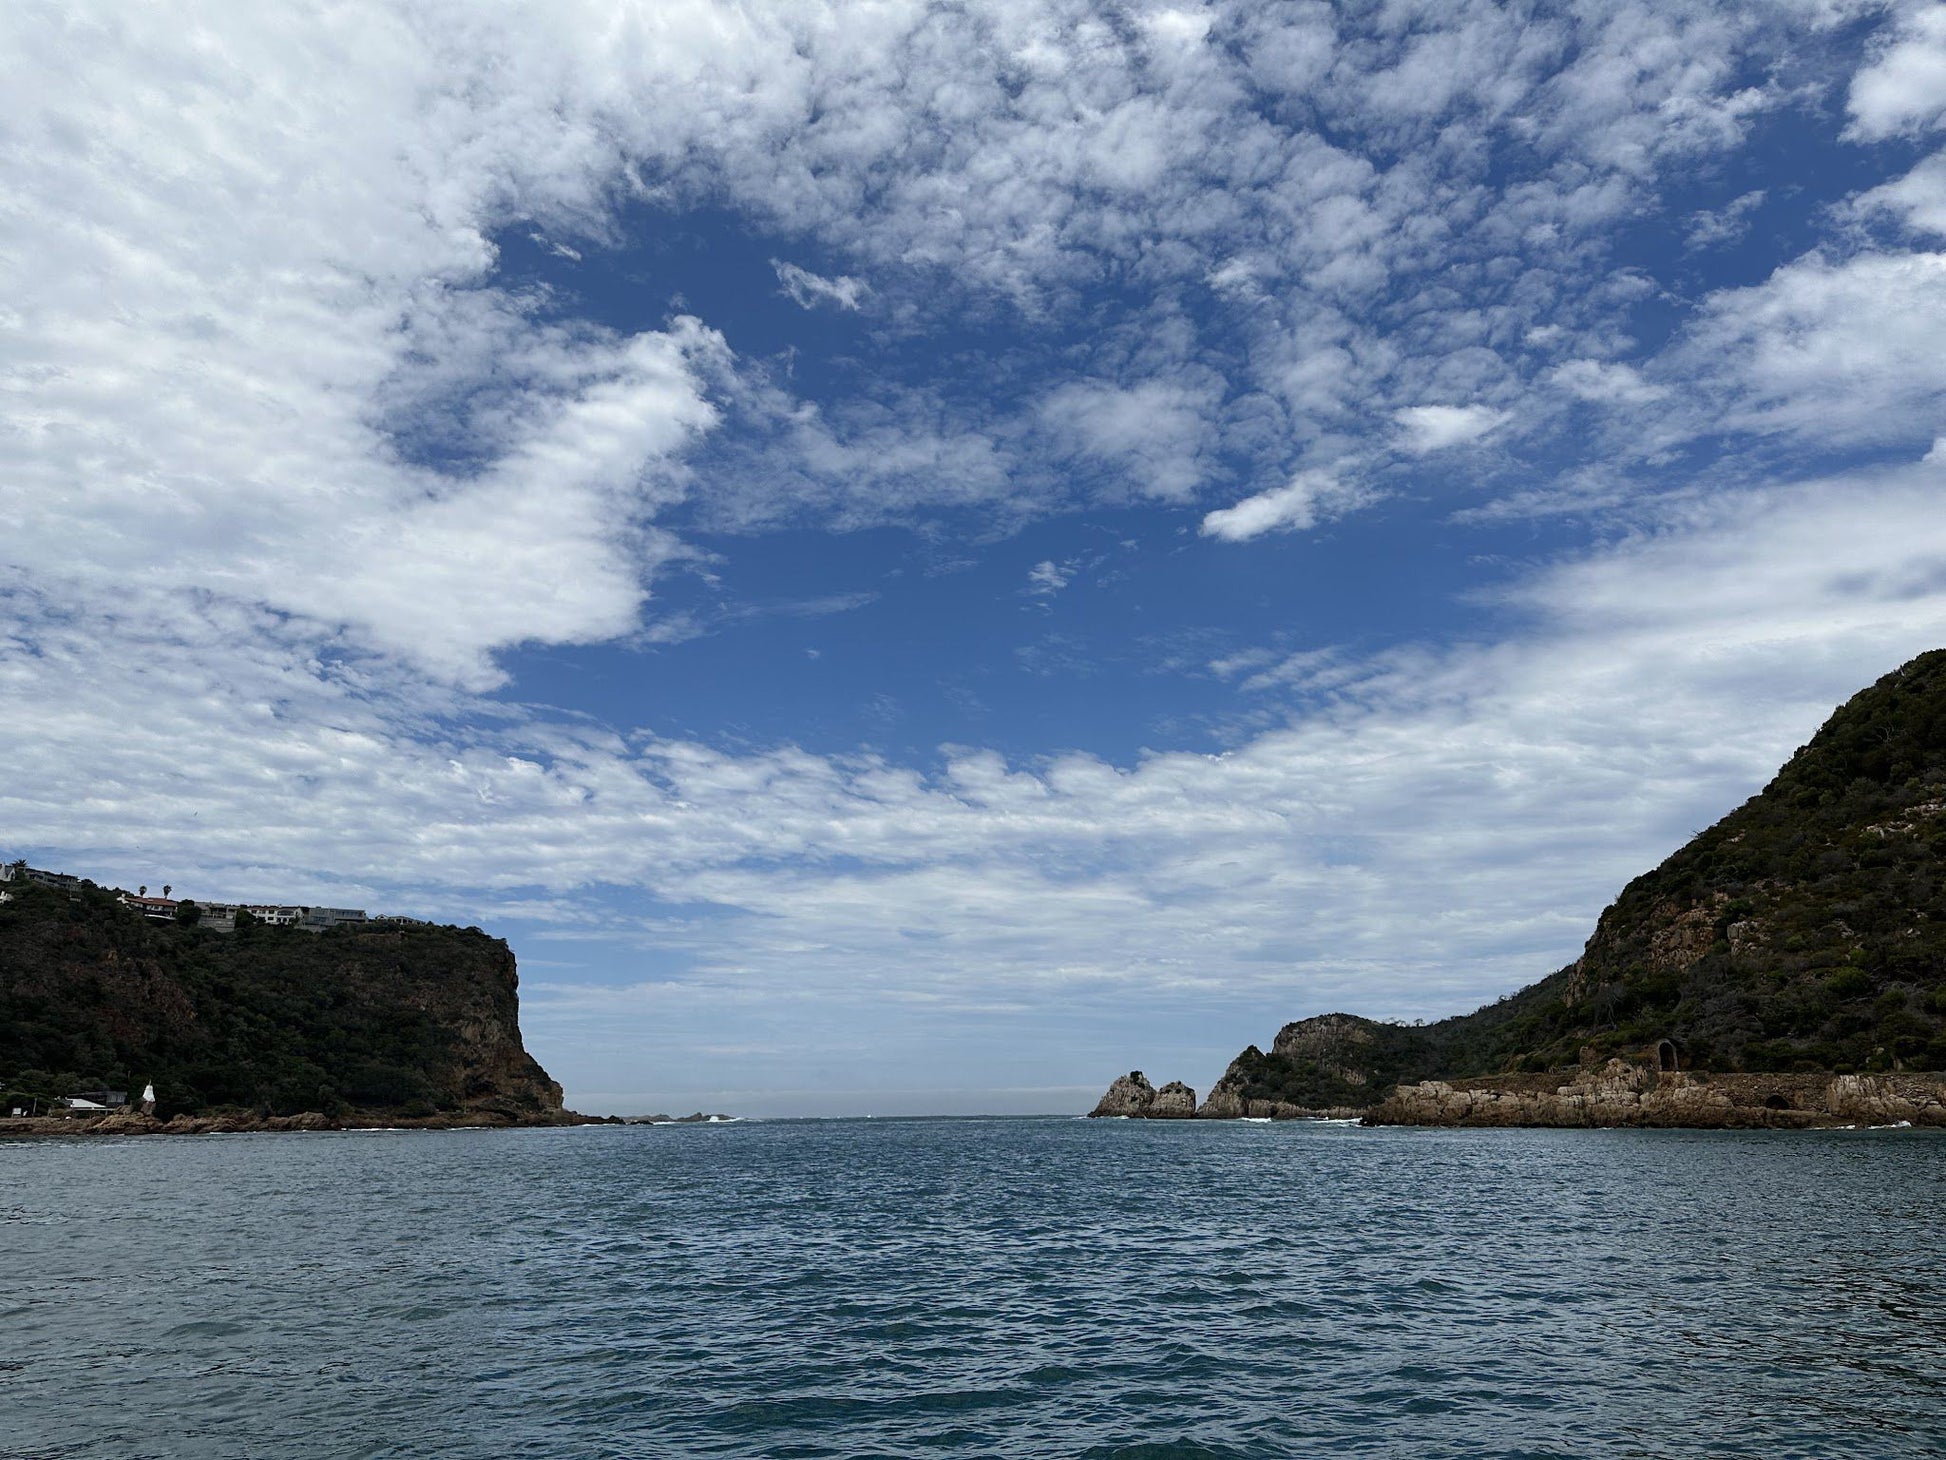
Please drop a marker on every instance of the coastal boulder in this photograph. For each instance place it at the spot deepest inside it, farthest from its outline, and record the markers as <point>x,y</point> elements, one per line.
<point>1887,1101</point>
<point>1131,1095</point>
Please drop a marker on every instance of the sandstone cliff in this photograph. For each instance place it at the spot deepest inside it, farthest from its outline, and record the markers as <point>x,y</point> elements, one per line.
<point>409,1022</point>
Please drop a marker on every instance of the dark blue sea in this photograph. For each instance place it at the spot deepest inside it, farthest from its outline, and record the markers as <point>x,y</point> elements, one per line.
<point>1009,1287</point>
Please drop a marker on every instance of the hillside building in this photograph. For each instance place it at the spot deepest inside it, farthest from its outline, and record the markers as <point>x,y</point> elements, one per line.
<point>21,872</point>
<point>220,916</point>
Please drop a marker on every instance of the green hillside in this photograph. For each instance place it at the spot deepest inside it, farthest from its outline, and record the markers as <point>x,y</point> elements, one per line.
<point>1806,930</point>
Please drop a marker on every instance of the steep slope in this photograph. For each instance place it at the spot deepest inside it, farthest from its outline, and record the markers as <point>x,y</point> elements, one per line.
<point>381,1020</point>
<point>1805,931</point>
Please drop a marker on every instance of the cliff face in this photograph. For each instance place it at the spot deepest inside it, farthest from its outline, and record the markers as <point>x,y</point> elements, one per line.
<point>1804,933</point>
<point>379,1020</point>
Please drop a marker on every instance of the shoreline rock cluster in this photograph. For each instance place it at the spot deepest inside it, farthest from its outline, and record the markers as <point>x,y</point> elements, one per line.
<point>1622,1094</point>
<point>1616,1094</point>
<point>1134,1097</point>
<point>699,1118</point>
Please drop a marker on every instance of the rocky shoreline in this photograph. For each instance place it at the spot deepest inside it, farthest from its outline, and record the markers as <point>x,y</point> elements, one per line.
<point>1615,1094</point>
<point>1621,1094</point>
<point>131,1124</point>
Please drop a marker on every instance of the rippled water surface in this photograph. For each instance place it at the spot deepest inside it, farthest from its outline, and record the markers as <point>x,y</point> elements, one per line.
<point>1005,1287</point>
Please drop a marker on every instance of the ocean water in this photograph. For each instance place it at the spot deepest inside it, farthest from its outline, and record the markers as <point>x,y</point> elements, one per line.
<point>976,1287</point>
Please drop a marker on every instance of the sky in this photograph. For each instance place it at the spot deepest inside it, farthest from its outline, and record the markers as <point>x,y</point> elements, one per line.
<point>914,558</point>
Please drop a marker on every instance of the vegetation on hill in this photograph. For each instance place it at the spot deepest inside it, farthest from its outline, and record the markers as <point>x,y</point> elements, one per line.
<point>1804,931</point>
<point>408,1020</point>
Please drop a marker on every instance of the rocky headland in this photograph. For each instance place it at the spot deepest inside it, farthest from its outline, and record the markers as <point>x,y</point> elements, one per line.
<point>265,1028</point>
<point>1785,968</point>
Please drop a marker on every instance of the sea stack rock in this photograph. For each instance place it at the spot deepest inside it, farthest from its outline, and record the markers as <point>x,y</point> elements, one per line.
<point>1174,1101</point>
<point>1131,1095</point>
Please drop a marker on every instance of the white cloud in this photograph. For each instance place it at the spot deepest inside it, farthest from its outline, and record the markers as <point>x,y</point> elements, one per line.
<point>226,382</point>
<point>1715,227</point>
<point>1606,382</point>
<point>985,150</point>
<point>1155,430</point>
<point>1047,577</point>
<point>1904,89</point>
<point>1919,198</point>
<point>1309,498</point>
<point>1845,352</point>
<point>1434,428</point>
<point>808,290</point>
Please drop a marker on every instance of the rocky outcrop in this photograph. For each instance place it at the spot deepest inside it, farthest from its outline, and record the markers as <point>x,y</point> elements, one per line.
<point>1133,1097</point>
<point>1227,1103</point>
<point>1887,1099</point>
<point>1129,1096</point>
<point>1623,1094</point>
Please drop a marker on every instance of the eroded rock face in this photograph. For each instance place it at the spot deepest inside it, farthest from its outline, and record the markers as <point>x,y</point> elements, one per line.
<point>1174,1101</point>
<point>1225,1102</point>
<point>1887,1100</point>
<point>1622,1094</point>
<point>1335,1040</point>
<point>1130,1095</point>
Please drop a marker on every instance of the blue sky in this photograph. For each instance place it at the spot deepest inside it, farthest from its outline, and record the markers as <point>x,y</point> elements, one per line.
<point>913,558</point>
